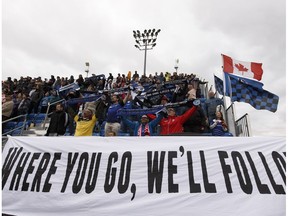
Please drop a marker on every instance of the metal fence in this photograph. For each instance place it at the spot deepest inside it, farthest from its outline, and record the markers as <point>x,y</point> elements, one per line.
<point>240,127</point>
<point>20,127</point>
<point>243,128</point>
<point>47,111</point>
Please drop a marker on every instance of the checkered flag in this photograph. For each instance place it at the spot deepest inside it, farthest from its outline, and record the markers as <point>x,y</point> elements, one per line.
<point>218,85</point>
<point>243,91</point>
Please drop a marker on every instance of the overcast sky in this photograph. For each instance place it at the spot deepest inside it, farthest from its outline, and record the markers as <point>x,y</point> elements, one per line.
<point>57,37</point>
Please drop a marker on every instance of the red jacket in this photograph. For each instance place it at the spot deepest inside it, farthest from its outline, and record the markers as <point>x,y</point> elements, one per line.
<point>174,124</point>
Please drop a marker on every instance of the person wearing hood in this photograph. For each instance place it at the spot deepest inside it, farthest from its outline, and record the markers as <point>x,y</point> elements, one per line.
<point>58,122</point>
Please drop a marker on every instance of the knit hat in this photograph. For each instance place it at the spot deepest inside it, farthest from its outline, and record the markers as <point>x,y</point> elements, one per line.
<point>165,98</point>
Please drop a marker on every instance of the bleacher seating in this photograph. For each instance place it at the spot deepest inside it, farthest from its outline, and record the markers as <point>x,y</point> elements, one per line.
<point>36,120</point>
<point>15,128</point>
<point>16,132</point>
<point>10,125</point>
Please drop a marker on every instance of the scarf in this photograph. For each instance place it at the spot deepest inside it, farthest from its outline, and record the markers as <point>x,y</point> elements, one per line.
<point>146,130</point>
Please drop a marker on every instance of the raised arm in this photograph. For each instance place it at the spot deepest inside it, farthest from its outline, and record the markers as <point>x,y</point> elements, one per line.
<point>129,123</point>
<point>155,121</point>
<point>187,114</point>
<point>127,97</point>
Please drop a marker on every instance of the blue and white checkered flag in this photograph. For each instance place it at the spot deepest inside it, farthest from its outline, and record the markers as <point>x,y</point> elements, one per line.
<point>219,85</point>
<point>249,91</point>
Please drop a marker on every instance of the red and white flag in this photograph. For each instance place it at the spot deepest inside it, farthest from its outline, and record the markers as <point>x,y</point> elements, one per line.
<point>246,69</point>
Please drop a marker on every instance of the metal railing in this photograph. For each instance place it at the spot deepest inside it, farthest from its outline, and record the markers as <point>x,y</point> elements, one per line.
<point>22,127</point>
<point>243,126</point>
<point>240,127</point>
<point>230,119</point>
<point>47,112</point>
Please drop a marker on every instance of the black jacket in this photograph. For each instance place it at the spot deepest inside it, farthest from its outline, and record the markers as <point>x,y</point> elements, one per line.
<point>58,123</point>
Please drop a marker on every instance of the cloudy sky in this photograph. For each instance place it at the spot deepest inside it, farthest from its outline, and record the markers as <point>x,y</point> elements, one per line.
<point>42,37</point>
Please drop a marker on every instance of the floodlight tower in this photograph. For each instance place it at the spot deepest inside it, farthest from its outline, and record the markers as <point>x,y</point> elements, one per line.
<point>176,65</point>
<point>145,41</point>
<point>87,70</point>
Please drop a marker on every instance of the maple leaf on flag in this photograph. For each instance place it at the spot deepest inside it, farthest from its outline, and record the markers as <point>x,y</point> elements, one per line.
<point>241,68</point>
<point>246,69</point>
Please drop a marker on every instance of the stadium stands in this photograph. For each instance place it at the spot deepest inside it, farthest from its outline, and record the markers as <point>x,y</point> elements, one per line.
<point>147,93</point>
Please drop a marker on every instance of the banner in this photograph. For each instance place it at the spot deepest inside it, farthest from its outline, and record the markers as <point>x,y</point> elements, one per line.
<point>144,176</point>
<point>83,99</point>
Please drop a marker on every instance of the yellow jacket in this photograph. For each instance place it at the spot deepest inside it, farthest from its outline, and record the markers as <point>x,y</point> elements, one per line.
<point>84,128</point>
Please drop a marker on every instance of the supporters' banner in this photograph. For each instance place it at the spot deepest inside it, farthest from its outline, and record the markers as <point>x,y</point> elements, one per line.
<point>71,86</point>
<point>157,108</point>
<point>155,96</point>
<point>94,79</point>
<point>161,92</point>
<point>127,112</point>
<point>247,69</point>
<point>144,176</point>
<point>83,99</point>
<point>148,87</point>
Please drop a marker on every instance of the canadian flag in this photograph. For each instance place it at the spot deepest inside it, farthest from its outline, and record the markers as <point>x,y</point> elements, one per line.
<point>246,69</point>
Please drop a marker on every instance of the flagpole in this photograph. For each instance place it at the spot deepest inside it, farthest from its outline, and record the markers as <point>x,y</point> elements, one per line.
<point>230,116</point>
<point>224,94</point>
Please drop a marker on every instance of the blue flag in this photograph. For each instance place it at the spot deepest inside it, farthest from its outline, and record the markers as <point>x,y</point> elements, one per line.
<point>248,91</point>
<point>219,85</point>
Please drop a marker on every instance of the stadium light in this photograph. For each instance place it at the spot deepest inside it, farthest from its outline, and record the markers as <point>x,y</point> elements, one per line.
<point>145,41</point>
<point>87,70</point>
<point>176,65</point>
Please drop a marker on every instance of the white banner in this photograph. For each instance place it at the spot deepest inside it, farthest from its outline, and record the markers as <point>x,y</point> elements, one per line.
<point>144,176</point>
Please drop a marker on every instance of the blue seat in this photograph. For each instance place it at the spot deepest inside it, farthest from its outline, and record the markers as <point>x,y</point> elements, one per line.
<point>7,130</point>
<point>40,116</point>
<point>21,123</point>
<point>16,132</point>
<point>10,125</point>
<point>38,121</point>
<point>31,116</point>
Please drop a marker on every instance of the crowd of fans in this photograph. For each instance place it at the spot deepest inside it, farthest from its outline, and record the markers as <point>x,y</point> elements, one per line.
<point>160,104</point>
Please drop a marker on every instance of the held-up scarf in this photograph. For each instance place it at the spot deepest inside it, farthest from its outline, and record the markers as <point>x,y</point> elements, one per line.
<point>146,130</point>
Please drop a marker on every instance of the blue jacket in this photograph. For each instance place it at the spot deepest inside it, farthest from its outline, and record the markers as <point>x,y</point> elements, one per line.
<point>217,128</point>
<point>112,116</point>
<point>135,125</point>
